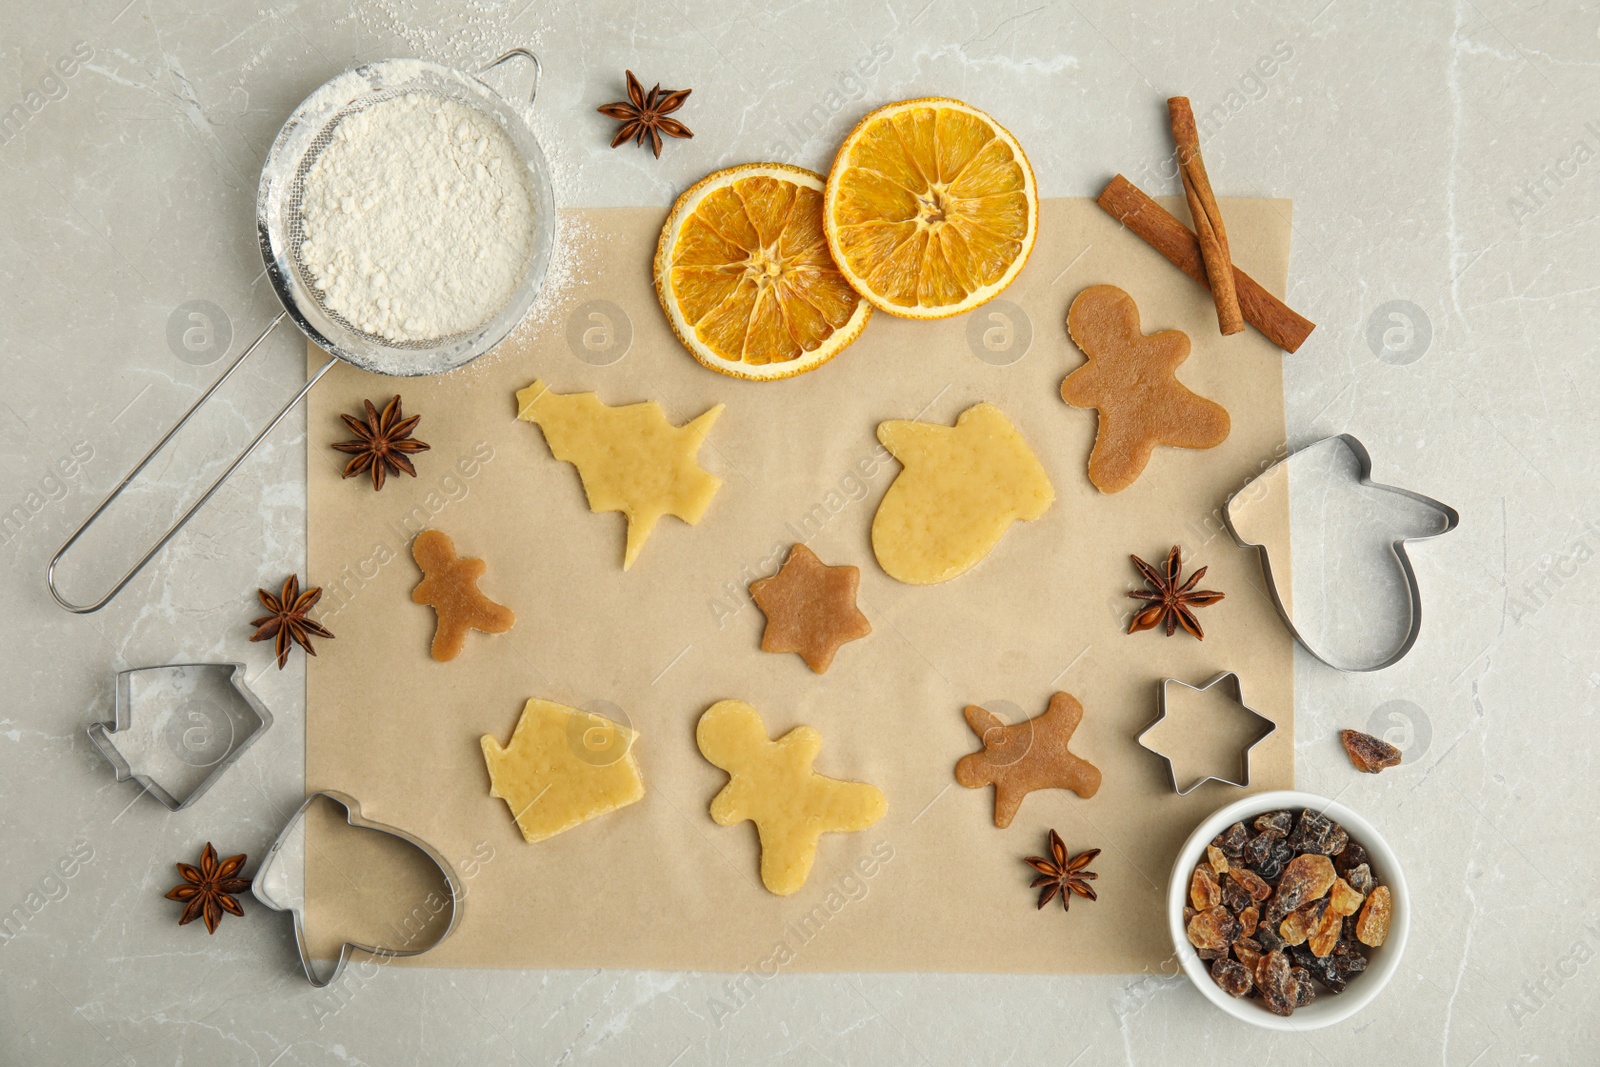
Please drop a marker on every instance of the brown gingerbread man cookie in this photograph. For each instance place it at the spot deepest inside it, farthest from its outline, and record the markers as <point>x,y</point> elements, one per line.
<point>450,586</point>
<point>1025,756</point>
<point>1131,381</point>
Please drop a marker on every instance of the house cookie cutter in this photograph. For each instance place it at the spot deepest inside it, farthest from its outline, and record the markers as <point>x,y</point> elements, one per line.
<point>280,883</point>
<point>177,728</point>
<point>1280,470</point>
<point>1244,755</point>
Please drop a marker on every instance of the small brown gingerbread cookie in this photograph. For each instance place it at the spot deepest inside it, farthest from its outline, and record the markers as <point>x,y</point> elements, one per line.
<point>450,586</point>
<point>1028,755</point>
<point>1131,381</point>
<point>810,608</point>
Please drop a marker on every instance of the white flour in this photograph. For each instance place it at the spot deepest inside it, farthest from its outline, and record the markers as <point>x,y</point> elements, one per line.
<point>418,218</point>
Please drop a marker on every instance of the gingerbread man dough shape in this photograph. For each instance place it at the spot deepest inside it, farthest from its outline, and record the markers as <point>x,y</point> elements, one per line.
<point>1028,755</point>
<point>450,586</point>
<point>771,783</point>
<point>1131,380</point>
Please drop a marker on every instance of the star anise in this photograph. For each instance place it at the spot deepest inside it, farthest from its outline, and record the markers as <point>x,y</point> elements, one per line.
<point>207,890</point>
<point>645,114</point>
<point>1170,602</point>
<point>382,443</point>
<point>288,626</point>
<point>1058,874</point>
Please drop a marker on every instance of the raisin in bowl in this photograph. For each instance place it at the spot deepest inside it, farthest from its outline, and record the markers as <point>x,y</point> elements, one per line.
<point>1313,864</point>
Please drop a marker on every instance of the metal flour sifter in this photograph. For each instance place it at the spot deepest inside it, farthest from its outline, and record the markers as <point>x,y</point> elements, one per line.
<point>302,139</point>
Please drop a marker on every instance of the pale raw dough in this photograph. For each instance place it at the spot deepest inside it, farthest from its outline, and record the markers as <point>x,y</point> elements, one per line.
<point>771,783</point>
<point>563,766</point>
<point>631,458</point>
<point>961,489</point>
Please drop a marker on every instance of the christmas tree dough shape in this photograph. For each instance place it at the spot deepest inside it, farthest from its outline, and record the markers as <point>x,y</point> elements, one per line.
<point>631,459</point>
<point>961,489</point>
<point>771,783</point>
<point>563,766</point>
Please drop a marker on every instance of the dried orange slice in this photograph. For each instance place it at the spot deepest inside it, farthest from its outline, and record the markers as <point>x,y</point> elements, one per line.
<point>745,277</point>
<point>930,208</point>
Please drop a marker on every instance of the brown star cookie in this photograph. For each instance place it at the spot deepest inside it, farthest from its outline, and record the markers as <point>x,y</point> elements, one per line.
<point>1131,381</point>
<point>450,586</point>
<point>1028,755</point>
<point>810,608</point>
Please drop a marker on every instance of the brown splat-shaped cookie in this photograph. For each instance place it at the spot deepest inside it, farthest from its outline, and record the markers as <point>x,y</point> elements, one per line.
<point>450,586</point>
<point>810,608</point>
<point>1028,755</point>
<point>1131,381</point>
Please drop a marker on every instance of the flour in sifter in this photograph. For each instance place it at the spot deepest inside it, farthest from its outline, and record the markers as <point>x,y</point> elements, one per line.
<point>418,218</point>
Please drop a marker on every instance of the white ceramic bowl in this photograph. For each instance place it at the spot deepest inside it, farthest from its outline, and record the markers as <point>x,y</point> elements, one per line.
<point>1327,1008</point>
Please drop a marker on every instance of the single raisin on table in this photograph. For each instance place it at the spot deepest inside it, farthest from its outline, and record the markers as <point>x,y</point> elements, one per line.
<point>1214,929</point>
<point>1232,976</point>
<point>1372,926</point>
<point>1203,889</point>
<point>1368,753</point>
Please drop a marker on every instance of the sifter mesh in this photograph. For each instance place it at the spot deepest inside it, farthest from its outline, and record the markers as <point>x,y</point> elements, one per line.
<point>295,230</point>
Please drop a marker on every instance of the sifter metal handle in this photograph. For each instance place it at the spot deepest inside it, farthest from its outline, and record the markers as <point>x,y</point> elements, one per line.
<point>50,571</point>
<point>517,53</point>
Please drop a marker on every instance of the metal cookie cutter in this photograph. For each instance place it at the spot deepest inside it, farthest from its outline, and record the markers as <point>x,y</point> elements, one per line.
<point>200,719</point>
<point>1244,755</point>
<point>1266,482</point>
<point>280,883</point>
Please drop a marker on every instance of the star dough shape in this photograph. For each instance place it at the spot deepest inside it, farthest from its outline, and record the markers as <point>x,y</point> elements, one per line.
<point>631,458</point>
<point>563,766</point>
<point>810,608</point>
<point>450,587</point>
<point>1131,380</point>
<point>771,783</point>
<point>961,488</point>
<point>1032,754</point>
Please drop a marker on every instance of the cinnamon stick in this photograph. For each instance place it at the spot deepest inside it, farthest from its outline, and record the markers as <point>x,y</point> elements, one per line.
<point>1156,227</point>
<point>1206,214</point>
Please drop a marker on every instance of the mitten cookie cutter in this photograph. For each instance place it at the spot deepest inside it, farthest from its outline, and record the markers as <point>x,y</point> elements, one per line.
<point>1262,482</point>
<point>188,734</point>
<point>280,883</point>
<point>1244,756</point>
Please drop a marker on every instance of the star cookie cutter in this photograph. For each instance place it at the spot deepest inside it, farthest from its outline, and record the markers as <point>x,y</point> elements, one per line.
<point>1263,483</point>
<point>177,728</point>
<point>1244,755</point>
<point>280,883</point>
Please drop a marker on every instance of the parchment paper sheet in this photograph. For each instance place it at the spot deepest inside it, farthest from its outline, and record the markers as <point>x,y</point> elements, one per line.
<point>934,886</point>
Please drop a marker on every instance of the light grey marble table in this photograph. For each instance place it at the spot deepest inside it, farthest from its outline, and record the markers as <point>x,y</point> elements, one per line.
<point>1445,171</point>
